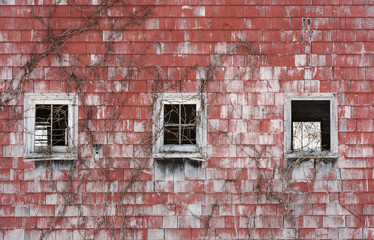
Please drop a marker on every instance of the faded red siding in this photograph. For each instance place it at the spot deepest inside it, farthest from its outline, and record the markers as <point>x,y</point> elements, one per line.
<point>238,193</point>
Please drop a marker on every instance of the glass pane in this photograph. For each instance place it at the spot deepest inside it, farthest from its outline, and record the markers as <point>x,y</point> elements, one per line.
<point>189,135</point>
<point>188,113</point>
<point>306,136</point>
<point>171,135</point>
<point>60,125</point>
<point>171,114</point>
<point>42,125</point>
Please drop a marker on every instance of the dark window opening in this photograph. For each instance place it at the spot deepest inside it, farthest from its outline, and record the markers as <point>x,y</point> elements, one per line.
<point>51,125</point>
<point>311,125</point>
<point>180,124</point>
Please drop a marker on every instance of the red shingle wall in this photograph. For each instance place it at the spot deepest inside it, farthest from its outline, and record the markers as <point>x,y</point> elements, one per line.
<point>248,56</point>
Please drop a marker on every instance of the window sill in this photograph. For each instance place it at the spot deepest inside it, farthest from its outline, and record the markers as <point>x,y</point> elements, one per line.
<point>32,157</point>
<point>314,155</point>
<point>187,155</point>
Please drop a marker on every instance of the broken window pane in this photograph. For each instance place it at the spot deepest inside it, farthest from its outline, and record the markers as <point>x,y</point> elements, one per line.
<point>42,125</point>
<point>51,125</point>
<point>60,125</point>
<point>308,111</point>
<point>306,136</point>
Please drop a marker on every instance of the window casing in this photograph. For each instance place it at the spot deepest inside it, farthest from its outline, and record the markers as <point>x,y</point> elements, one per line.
<point>50,126</point>
<point>179,128</point>
<point>311,127</point>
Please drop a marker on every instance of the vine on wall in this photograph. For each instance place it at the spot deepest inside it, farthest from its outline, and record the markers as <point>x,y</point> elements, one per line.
<point>112,77</point>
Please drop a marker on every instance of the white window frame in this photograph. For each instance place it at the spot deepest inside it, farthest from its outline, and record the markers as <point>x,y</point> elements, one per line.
<point>333,153</point>
<point>68,152</point>
<point>192,151</point>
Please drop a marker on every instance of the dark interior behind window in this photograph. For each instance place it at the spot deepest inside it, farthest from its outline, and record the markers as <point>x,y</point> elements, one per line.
<point>51,125</point>
<point>314,111</point>
<point>179,124</point>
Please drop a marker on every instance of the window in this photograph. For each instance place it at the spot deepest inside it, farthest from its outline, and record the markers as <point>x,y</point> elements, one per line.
<point>179,126</point>
<point>306,136</point>
<point>311,127</point>
<point>50,123</point>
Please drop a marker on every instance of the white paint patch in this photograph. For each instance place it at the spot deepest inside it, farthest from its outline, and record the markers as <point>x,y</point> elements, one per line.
<point>200,12</point>
<point>278,71</point>
<point>367,151</point>
<point>276,125</point>
<point>40,87</point>
<point>61,2</point>
<point>93,100</point>
<point>232,151</point>
<point>218,185</point>
<point>13,151</point>
<point>300,60</point>
<point>265,139</point>
<point>279,99</point>
<point>6,73</point>
<point>186,36</point>
<point>309,73</point>
<point>303,171</point>
<point>3,37</point>
<point>65,60</point>
<point>364,61</point>
<point>13,138</point>
<point>213,123</point>
<point>183,48</point>
<point>139,126</point>
<point>51,199</point>
<point>266,73</point>
<point>248,23</point>
<point>235,86</point>
<point>311,85</point>
<point>111,36</point>
<point>224,112</point>
<point>16,233</point>
<point>127,151</point>
<point>347,112</point>
<point>100,112</point>
<point>322,60</point>
<point>241,126</point>
<point>194,209</point>
<point>156,233</point>
<point>229,74</point>
<point>273,86</point>
<point>221,48</point>
<point>152,24</point>
<point>183,24</point>
<point>363,51</point>
<point>7,2</point>
<point>94,59</point>
<point>246,112</point>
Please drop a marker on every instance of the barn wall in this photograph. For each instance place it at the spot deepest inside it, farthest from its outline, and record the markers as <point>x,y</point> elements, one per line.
<point>246,58</point>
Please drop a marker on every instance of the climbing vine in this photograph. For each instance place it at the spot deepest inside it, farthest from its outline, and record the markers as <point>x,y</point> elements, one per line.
<point>111,78</point>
